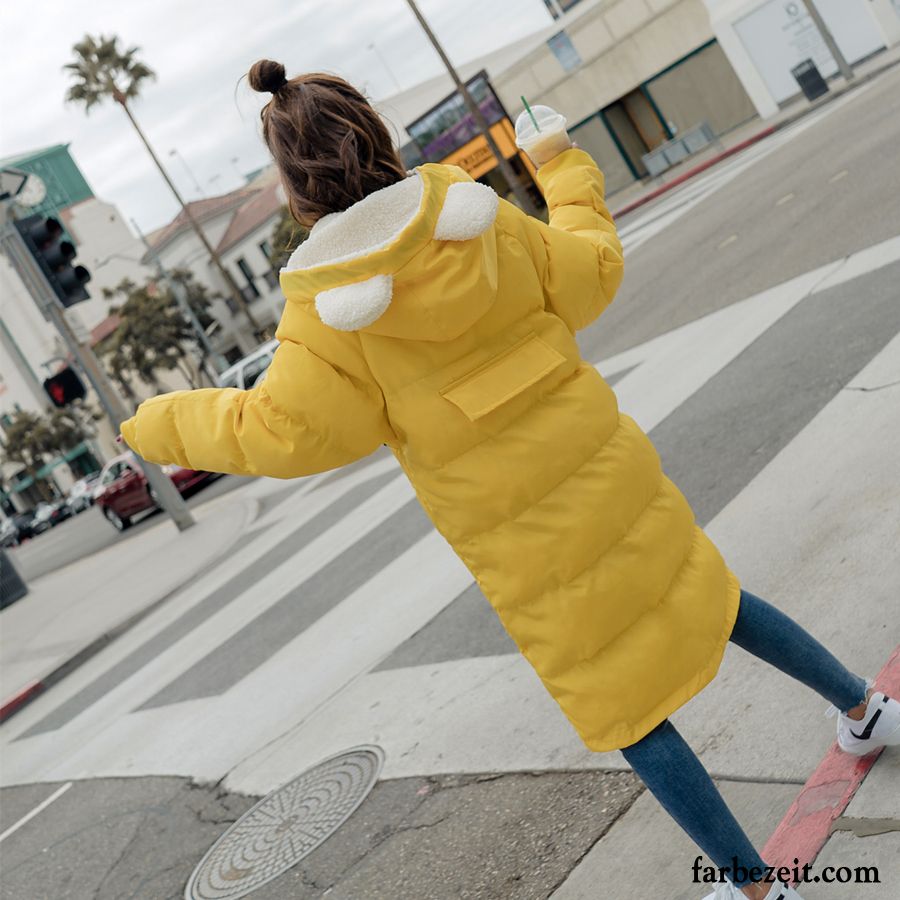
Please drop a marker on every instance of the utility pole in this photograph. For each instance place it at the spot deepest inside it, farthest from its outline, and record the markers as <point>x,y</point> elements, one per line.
<point>373,47</point>
<point>39,288</point>
<point>520,192</point>
<point>174,152</point>
<point>180,295</point>
<point>829,40</point>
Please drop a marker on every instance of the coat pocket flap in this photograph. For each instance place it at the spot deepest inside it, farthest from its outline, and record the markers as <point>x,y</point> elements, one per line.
<point>503,377</point>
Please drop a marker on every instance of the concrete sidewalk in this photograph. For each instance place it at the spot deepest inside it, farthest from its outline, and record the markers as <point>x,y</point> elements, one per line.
<point>846,817</point>
<point>73,612</point>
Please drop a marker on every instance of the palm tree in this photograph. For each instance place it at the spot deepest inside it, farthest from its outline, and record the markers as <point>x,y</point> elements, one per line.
<point>102,70</point>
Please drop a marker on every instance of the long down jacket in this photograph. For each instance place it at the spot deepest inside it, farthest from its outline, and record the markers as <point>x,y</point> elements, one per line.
<point>439,320</point>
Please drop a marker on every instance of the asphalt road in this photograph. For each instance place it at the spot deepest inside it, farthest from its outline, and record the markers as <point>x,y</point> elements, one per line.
<point>89,532</point>
<point>822,196</point>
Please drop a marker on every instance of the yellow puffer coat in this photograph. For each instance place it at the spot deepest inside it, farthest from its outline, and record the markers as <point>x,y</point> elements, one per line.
<point>435,319</point>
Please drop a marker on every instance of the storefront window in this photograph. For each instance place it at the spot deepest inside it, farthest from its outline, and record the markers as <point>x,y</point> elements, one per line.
<point>448,126</point>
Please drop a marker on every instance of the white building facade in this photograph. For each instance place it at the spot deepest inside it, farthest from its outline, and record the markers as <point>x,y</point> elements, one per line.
<point>239,226</point>
<point>634,76</point>
<point>765,39</point>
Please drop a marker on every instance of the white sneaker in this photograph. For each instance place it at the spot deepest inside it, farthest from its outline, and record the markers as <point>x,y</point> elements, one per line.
<point>725,890</point>
<point>879,727</point>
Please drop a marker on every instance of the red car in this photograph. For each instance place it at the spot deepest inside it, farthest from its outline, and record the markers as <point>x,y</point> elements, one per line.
<point>122,490</point>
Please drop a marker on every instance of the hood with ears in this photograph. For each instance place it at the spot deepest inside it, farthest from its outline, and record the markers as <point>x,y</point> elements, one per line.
<point>415,260</point>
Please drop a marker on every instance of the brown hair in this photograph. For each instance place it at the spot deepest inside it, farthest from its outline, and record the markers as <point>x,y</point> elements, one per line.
<point>330,145</point>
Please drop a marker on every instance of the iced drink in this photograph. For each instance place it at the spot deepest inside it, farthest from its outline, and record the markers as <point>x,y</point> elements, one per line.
<point>549,139</point>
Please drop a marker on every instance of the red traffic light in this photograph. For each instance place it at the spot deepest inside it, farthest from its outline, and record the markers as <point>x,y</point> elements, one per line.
<point>64,387</point>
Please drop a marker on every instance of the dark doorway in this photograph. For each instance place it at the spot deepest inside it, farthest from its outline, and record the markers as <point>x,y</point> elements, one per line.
<point>636,127</point>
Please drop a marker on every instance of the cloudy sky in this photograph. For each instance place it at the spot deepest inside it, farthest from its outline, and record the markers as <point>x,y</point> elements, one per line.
<point>199,51</point>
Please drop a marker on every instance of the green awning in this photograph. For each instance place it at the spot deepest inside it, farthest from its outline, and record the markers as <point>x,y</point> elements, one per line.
<point>75,452</point>
<point>68,456</point>
<point>20,486</point>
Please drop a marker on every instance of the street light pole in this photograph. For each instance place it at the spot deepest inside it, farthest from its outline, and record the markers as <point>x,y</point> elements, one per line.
<point>174,152</point>
<point>37,286</point>
<point>520,192</point>
<point>387,68</point>
<point>829,40</point>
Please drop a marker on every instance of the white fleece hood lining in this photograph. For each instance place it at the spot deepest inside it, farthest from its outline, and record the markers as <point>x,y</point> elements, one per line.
<point>363,228</point>
<point>469,209</point>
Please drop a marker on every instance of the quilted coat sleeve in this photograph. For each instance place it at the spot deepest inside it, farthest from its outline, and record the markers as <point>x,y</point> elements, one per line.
<point>584,262</point>
<point>308,415</point>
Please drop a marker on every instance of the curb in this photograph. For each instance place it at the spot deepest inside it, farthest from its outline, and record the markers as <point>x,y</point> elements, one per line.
<point>806,826</point>
<point>32,691</point>
<point>747,142</point>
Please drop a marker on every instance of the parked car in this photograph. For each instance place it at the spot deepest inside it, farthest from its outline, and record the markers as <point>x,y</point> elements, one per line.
<point>42,518</point>
<point>9,533</point>
<point>123,491</point>
<point>17,529</point>
<point>49,515</point>
<point>60,511</point>
<point>245,373</point>
<point>81,494</point>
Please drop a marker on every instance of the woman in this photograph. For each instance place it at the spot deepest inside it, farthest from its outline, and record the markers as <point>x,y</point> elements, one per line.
<point>425,314</point>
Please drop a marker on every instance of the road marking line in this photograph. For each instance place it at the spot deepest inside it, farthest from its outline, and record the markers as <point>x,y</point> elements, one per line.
<point>785,199</point>
<point>28,816</point>
<point>727,241</point>
<point>862,262</point>
<point>838,176</point>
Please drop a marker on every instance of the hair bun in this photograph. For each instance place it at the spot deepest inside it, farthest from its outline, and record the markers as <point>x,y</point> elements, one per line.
<point>267,76</point>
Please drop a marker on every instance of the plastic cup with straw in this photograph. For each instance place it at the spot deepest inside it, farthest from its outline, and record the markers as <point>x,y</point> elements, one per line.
<point>541,133</point>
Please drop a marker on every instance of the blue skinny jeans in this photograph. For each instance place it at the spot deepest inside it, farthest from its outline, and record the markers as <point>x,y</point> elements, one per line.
<point>673,774</point>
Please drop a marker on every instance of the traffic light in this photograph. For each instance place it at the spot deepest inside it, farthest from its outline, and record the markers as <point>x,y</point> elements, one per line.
<point>64,387</point>
<point>44,238</point>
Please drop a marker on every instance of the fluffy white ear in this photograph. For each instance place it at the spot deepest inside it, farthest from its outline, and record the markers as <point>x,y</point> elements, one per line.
<point>469,209</point>
<point>354,306</point>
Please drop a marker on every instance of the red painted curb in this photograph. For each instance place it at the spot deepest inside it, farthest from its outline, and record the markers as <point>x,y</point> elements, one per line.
<point>684,176</point>
<point>807,824</point>
<point>19,699</point>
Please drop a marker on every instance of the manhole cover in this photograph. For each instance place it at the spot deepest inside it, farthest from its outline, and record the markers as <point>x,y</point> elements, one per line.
<point>285,826</point>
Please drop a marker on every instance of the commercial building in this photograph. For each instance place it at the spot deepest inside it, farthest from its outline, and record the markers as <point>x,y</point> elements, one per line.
<point>239,224</point>
<point>106,245</point>
<point>645,80</point>
<point>765,39</point>
<point>30,347</point>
